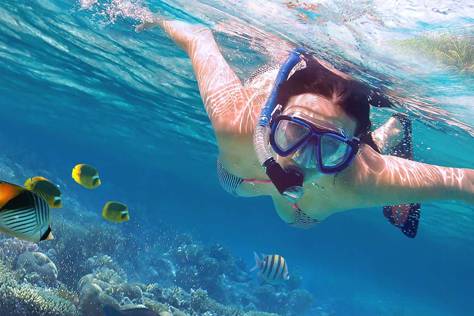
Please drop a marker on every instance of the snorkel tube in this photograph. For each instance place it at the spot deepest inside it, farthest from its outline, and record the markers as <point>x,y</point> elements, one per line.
<point>288,182</point>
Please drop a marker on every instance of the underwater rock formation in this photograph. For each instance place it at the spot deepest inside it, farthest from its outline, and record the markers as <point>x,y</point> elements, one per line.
<point>37,268</point>
<point>106,285</point>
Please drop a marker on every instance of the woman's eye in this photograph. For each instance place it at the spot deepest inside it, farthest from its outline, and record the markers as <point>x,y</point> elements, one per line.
<point>330,146</point>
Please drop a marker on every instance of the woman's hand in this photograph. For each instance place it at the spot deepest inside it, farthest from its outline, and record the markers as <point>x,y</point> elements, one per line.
<point>145,25</point>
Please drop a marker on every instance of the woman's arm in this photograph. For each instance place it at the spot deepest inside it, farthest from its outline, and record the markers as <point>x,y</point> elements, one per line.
<point>388,180</point>
<point>221,90</point>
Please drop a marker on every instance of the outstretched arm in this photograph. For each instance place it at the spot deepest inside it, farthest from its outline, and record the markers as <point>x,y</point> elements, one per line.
<point>221,90</point>
<point>381,180</point>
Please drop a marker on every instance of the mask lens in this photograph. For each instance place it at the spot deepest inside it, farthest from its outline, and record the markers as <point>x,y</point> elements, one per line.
<point>305,156</point>
<point>334,151</point>
<point>288,134</point>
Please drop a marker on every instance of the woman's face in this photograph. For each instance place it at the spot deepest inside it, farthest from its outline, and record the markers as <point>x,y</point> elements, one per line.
<point>321,112</point>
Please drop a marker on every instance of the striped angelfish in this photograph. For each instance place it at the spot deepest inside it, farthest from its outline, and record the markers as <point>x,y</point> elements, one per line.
<point>272,268</point>
<point>23,214</point>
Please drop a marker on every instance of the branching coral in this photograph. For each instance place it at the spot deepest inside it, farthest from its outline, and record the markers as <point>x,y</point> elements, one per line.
<point>24,299</point>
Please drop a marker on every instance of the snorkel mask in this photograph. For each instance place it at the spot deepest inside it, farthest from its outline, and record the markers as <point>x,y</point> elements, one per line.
<point>311,145</point>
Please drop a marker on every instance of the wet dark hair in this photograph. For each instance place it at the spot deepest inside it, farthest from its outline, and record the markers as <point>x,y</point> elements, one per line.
<point>354,97</point>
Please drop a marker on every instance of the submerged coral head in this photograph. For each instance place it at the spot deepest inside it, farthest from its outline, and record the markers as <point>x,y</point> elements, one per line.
<point>139,311</point>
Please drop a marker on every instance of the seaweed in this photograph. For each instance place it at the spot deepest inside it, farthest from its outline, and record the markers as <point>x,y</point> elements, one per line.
<point>450,49</point>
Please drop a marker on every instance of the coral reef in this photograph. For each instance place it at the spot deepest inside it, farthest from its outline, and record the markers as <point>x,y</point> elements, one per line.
<point>212,268</point>
<point>295,302</point>
<point>11,248</point>
<point>21,299</point>
<point>67,277</point>
<point>163,270</point>
<point>107,285</point>
<point>71,256</point>
<point>37,268</point>
<point>227,281</point>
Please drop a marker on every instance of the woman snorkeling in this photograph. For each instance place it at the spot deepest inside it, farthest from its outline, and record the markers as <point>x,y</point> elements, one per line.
<point>301,134</point>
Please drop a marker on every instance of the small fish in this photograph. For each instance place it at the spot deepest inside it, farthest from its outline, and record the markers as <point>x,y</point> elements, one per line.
<point>272,268</point>
<point>86,175</point>
<point>115,212</point>
<point>46,189</point>
<point>24,214</point>
<point>138,311</point>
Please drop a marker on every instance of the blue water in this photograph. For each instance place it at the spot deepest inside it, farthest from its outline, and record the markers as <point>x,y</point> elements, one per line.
<point>76,86</point>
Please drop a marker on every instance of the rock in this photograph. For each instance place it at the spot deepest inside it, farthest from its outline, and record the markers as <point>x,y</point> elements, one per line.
<point>39,263</point>
<point>106,286</point>
<point>89,303</point>
<point>132,291</point>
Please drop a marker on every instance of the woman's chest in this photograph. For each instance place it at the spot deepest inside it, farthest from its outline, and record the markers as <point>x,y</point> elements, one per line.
<point>319,201</point>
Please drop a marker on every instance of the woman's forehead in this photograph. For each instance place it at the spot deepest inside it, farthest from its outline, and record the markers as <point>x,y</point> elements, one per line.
<point>318,108</point>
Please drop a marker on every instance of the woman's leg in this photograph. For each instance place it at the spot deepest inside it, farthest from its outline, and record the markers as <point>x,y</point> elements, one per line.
<point>388,135</point>
<point>395,138</point>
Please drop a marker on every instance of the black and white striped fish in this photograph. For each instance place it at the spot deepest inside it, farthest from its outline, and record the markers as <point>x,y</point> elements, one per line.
<point>24,214</point>
<point>272,268</point>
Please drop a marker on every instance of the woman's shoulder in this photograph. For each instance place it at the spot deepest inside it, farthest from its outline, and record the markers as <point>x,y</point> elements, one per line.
<point>243,111</point>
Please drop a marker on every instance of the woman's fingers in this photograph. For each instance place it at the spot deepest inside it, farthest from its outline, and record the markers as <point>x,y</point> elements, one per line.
<point>146,25</point>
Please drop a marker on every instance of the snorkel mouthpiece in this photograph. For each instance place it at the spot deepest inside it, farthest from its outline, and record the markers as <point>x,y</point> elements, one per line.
<point>288,182</point>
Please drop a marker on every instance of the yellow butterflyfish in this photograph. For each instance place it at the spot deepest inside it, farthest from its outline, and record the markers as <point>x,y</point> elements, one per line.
<point>46,189</point>
<point>115,212</point>
<point>86,175</point>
